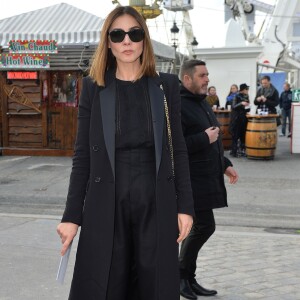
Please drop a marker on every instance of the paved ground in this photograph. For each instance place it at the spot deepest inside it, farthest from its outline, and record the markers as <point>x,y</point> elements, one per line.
<point>241,263</point>
<point>254,253</point>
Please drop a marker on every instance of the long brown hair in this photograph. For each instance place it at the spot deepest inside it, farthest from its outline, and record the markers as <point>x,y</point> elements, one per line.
<point>103,58</point>
<point>237,89</point>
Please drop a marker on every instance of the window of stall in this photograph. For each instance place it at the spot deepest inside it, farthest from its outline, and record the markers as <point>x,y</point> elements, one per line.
<point>64,88</point>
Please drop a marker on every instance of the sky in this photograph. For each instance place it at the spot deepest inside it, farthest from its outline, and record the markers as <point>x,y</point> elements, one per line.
<point>207,17</point>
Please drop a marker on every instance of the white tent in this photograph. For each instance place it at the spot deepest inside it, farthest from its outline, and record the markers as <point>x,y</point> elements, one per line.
<point>77,33</point>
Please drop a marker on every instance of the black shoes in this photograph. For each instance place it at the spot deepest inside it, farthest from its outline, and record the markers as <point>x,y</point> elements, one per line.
<point>233,154</point>
<point>186,290</point>
<point>190,289</point>
<point>243,153</point>
<point>201,291</point>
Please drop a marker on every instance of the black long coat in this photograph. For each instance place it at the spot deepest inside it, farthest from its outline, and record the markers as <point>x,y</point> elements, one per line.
<point>238,119</point>
<point>91,196</point>
<point>207,161</point>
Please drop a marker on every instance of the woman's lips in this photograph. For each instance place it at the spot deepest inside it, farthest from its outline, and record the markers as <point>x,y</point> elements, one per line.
<point>127,52</point>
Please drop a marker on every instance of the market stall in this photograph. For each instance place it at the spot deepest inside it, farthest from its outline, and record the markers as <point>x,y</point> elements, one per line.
<point>42,63</point>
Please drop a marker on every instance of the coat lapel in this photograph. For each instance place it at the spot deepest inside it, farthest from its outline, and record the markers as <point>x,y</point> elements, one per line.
<point>108,103</point>
<point>158,118</point>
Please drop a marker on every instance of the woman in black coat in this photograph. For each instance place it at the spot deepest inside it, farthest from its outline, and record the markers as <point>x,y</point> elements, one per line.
<point>238,120</point>
<point>122,191</point>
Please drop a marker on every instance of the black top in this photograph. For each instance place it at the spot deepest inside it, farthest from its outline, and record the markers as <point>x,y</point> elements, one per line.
<point>133,115</point>
<point>272,99</point>
<point>238,118</point>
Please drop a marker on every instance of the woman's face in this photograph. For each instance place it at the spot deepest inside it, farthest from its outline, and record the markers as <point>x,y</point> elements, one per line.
<point>125,51</point>
<point>212,91</point>
<point>233,89</point>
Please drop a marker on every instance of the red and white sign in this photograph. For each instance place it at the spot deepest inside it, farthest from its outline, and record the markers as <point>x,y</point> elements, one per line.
<point>22,75</point>
<point>24,61</point>
<point>32,46</point>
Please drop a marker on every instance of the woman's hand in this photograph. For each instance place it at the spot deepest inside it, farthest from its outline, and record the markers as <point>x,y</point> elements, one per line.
<point>67,232</point>
<point>185,223</point>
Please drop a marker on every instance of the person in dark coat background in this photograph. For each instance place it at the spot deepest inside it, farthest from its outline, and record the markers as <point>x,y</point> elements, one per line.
<point>133,213</point>
<point>207,167</point>
<point>238,120</point>
<point>285,103</point>
<point>267,96</point>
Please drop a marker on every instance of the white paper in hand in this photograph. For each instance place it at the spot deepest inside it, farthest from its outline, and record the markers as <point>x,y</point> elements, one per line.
<point>61,272</point>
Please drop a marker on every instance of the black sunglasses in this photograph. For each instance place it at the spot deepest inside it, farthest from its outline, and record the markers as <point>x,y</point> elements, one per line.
<point>135,34</point>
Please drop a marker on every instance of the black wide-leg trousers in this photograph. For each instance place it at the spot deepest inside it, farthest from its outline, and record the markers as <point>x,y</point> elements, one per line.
<point>133,268</point>
<point>204,226</point>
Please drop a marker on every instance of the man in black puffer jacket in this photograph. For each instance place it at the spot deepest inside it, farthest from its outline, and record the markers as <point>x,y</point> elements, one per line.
<point>285,103</point>
<point>207,167</point>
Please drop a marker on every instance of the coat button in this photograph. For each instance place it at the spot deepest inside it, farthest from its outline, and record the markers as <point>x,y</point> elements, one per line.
<point>95,148</point>
<point>170,178</point>
<point>97,179</point>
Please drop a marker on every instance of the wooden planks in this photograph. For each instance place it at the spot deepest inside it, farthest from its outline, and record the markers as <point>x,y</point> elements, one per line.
<point>23,126</point>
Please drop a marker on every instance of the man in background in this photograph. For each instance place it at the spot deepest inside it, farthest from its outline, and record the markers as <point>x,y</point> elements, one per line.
<point>267,97</point>
<point>285,103</point>
<point>207,167</point>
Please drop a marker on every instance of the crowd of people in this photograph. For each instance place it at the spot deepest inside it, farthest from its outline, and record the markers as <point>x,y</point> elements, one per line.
<point>148,168</point>
<point>267,101</point>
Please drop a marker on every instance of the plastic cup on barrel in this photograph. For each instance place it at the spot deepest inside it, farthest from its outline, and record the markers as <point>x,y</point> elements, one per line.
<point>252,110</point>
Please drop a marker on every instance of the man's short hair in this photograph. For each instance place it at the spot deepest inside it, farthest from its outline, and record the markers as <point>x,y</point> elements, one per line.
<point>188,67</point>
<point>266,77</point>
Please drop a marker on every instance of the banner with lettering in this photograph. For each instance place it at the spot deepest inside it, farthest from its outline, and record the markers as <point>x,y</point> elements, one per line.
<point>32,46</point>
<point>24,61</point>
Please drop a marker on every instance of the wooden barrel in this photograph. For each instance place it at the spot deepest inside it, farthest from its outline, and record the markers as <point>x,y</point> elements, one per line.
<point>261,137</point>
<point>223,117</point>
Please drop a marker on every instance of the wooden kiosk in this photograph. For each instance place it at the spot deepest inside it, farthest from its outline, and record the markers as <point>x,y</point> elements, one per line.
<point>38,105</point>
<point>261,136</point>
<point>44,55</point>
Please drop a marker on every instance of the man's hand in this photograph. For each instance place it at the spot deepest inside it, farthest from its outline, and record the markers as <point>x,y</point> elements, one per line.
<point>67,232</point>
<point>185,223</point>
<point>213,134</point>
<point>232,174</point>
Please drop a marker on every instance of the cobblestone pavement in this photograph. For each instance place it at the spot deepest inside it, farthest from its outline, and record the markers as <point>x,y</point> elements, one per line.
<point>239,262</point>
<point>243,263</point>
